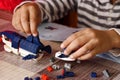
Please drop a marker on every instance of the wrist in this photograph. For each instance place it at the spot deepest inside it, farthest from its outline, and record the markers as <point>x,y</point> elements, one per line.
<point>115,38</point>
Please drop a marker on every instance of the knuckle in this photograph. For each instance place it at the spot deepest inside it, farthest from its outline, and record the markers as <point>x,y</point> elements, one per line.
<point>91,55</point>
<point>74,36</point>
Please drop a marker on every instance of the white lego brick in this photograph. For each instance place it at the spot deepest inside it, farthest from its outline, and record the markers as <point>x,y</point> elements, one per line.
<point>15,51</point>
<point>106,73</point>
<point>25,52</point>
<point>65,59</point>
<point>67,66</point>
<point>7,49</point>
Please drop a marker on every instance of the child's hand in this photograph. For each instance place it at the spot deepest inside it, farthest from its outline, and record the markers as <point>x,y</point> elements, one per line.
<point>27,18</point>
<point>89,42</point>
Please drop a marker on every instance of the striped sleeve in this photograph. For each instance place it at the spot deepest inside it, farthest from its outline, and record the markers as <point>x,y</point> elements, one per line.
<point>55,9</point>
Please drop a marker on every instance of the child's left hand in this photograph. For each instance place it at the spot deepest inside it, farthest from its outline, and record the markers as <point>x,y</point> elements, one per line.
<point>89,42</point>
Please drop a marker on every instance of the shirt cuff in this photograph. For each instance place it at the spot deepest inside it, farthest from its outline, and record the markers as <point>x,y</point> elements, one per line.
<point>116,30</point>
<point>115,52</point>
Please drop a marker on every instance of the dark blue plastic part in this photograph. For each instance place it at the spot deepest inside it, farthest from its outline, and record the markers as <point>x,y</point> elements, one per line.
<point>69,74</point>
<point>60,77</point>
<point>93,74</point>
<point>63,56</point>
<point>26,78</point>
<point>31,47</point>
<point>37,78</point>
<point>28,57</point>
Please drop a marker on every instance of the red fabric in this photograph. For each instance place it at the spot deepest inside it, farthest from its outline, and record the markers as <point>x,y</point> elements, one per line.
<point>9,5</point>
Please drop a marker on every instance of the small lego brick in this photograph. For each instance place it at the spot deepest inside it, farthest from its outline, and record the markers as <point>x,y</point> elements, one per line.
<point>69,74</point>
<point>47,49</point>
<point>106,73</point>
<point>56,67</point>
<point>67,66</point>
<point>0,39</point>
<point>27,78</point>
<point>63,71</point>
<point>28,57</point>
<point>52,59</point>
<point>37,78</point>
<point>49,68</point>
<point>60,77</point>
<point>44,77</point>
<point>93,74</point>
<point>15,42</point>
<point>30,79</point>
<point>61,56</point>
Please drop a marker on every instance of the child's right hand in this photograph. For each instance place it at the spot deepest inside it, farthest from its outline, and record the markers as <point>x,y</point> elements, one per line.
<point>27,18</point>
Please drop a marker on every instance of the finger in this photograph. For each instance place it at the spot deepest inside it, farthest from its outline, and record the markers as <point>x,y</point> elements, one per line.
<point>25,21</point>
<point>16,22</point>
<point>88,55</point>
<point>83,50</point>
<point>75,44</point>
<point>33,21</point>
<point>70,39</point>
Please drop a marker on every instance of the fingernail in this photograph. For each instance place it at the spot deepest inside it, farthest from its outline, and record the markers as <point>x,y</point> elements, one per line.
<point>62,46</point>
<point>34,34</point>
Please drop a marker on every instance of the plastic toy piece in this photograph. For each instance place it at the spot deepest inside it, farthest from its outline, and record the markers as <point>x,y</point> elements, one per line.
<point>44,77</point>
<point>67,66</point>
<point>106,73</point>
<point>37,78</point>
<point>63,71</point>
<point>56,67</point>
<point>69,74</point>
<point>93,74</point>
<point>28,48</point>
<point>52,59</point>
<point>27,78</point>
<point>60,77</point>
<point>49,68</point>
<point>61,56</point>
<point>0,39</point>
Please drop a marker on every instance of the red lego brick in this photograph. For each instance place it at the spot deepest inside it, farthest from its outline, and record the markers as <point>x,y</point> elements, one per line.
<point>0,39</point>
<point>44,77</point>
<point>63,71</point>
<point>49,68</point>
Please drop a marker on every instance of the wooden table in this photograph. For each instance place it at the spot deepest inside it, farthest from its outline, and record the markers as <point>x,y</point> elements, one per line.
<point>12,67</point>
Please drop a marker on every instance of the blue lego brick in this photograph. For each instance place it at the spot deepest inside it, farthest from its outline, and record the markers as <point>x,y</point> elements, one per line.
<point>31,47</point>
<point>37,78</point>
<point>30,38</point>
<point>11,34</point>
<point>63,56</point>
<point>69,74</point>
<point>15,42</point>
<point>26,78</point>
<point>47,49</point>
<point>93,74</point>
<point>30,79</point>
<point>29,57</point>
<point>36,40</point>
<point>60,77</point>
